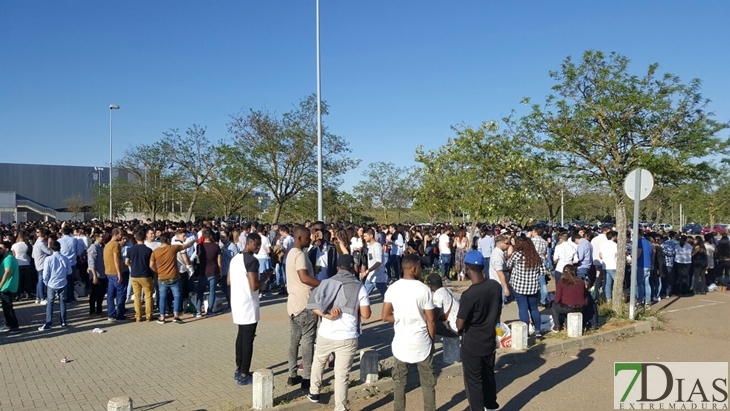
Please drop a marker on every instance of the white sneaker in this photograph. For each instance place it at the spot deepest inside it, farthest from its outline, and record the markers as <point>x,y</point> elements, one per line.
<point>44,302</point>
<point>37,301</point>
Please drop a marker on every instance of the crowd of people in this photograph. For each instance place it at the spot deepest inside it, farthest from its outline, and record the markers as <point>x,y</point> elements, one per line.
<point>327,273</point>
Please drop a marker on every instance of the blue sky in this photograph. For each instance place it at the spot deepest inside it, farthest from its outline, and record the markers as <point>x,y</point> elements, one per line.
<point>395,73</point>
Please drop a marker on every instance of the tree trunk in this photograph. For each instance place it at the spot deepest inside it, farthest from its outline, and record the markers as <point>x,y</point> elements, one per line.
<point>618,284</point>
<point>192,204</point>
<point>277,213</point>
<point>385,215</point>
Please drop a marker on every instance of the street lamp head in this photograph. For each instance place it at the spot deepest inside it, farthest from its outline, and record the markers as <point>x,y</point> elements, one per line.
<point>113,107</point>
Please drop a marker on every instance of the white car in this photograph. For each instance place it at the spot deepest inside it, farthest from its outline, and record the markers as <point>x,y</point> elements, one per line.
<point>664,226</point>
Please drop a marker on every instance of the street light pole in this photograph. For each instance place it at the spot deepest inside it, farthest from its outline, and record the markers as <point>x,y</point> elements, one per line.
<point>320,207</point>
<point>111,167</point>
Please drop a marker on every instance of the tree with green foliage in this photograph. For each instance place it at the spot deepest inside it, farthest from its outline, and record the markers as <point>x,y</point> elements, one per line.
<point>602,121</point>
<point>386,187</point>
<point>150,179</point>
<point>193,158</point>
<point>480,171</point>
<point>280,153</point>
<point>231,183</point>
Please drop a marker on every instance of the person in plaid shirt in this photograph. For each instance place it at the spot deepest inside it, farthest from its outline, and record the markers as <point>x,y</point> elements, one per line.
<point>541,246</point>
<point>669,246</point>
<point>527,267</point>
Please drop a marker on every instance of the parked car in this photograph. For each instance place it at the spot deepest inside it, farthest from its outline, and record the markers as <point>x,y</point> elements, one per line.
<point>692,229</point>
<point>720,228</point>
<point>664,226</point>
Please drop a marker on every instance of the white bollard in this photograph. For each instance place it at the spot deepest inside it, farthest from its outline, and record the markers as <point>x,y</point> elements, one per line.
<point>368,366</point>
<point>263,389</point>
<point>451,350</point>
<point>519,335</point>
<point>575,325</point>
<point>120,404</point>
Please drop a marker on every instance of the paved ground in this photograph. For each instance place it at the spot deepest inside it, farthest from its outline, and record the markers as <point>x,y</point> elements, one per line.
<point>698,330</point>
<point>162,367</point>
<point>189,366</point>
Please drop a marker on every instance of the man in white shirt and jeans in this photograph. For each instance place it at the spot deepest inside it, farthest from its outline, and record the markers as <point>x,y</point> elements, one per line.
<point>409,306</point>
<point>375,275</point>
<point>340,301</point>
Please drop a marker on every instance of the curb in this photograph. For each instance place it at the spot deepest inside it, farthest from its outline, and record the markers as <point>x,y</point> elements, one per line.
<point>504,357</point>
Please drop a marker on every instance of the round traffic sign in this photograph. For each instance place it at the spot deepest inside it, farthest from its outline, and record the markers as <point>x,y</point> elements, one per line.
<point>646,183</point>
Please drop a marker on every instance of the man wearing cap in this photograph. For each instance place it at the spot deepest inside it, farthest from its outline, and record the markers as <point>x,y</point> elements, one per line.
<point>341,301</point>
<point>479,312</point>
<point>445,306</point>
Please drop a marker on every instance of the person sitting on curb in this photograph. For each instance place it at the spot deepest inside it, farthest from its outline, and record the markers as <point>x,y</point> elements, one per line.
<point>446,306</point>
<point>570,295</point>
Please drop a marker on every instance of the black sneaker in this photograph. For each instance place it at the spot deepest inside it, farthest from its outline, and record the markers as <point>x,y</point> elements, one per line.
<point>292,381</point>
<point>313,398</point>
<point>177,320</point>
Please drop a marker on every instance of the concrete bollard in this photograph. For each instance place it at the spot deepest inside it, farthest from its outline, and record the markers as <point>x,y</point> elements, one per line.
<point>575,325</point>
<point>263,389</point>
<point>368,366</point>
<point>451,350</point>
<point>120,404</point>
<point>519,332</point>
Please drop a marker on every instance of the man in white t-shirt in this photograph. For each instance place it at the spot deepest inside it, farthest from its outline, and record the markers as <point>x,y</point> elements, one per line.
<point>498,264</point>
<point>446,306</point>
<point>375,275</point>
<point>607,254</point>
<point>596,243</point>
<point>408,305</point>
<point>243,277</point>
<point>445,253</point>
<point>340,301</point>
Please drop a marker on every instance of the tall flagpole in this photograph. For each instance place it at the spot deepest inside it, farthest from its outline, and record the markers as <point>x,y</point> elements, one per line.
<point>320,208</point>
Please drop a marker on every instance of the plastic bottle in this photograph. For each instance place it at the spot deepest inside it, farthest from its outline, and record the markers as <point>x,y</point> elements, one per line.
<point>498,329</point>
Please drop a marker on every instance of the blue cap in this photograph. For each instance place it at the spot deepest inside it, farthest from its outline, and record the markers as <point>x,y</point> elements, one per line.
<point>474,257</point>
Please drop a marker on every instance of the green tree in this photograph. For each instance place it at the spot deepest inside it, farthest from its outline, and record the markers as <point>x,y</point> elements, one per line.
<point>150,180</point>
<point>386,187</point>
<point>280,153</point>
<point>231,184</point>
<point>603,121</point>
<point>193,157</point>
<point>480,171</point>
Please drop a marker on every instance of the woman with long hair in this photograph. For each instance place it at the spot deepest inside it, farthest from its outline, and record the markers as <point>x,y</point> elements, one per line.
<point>526,266</point>
<point>570,295</point>
<point>699,266</point>
<point>461,244</point>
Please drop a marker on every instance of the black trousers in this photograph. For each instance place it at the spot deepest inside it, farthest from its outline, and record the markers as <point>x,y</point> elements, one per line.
<point>244,347</point>
<point>479,381</point>
<point>561,310</point>
<point>28,277</point>
<point>96,298</point>
<point>7,303</point>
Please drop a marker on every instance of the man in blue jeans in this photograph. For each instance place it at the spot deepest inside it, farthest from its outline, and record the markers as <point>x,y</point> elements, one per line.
<point>55,274</point>
<point>116,291</point>
<point>643,270</point>
<point>584,251</point>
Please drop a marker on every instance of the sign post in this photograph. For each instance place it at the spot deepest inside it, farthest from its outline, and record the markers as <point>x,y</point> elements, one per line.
<point>638,186</point>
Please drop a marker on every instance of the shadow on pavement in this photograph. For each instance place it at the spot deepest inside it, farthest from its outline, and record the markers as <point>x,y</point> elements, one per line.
<point>151,407</point>
<point>547,380</point>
